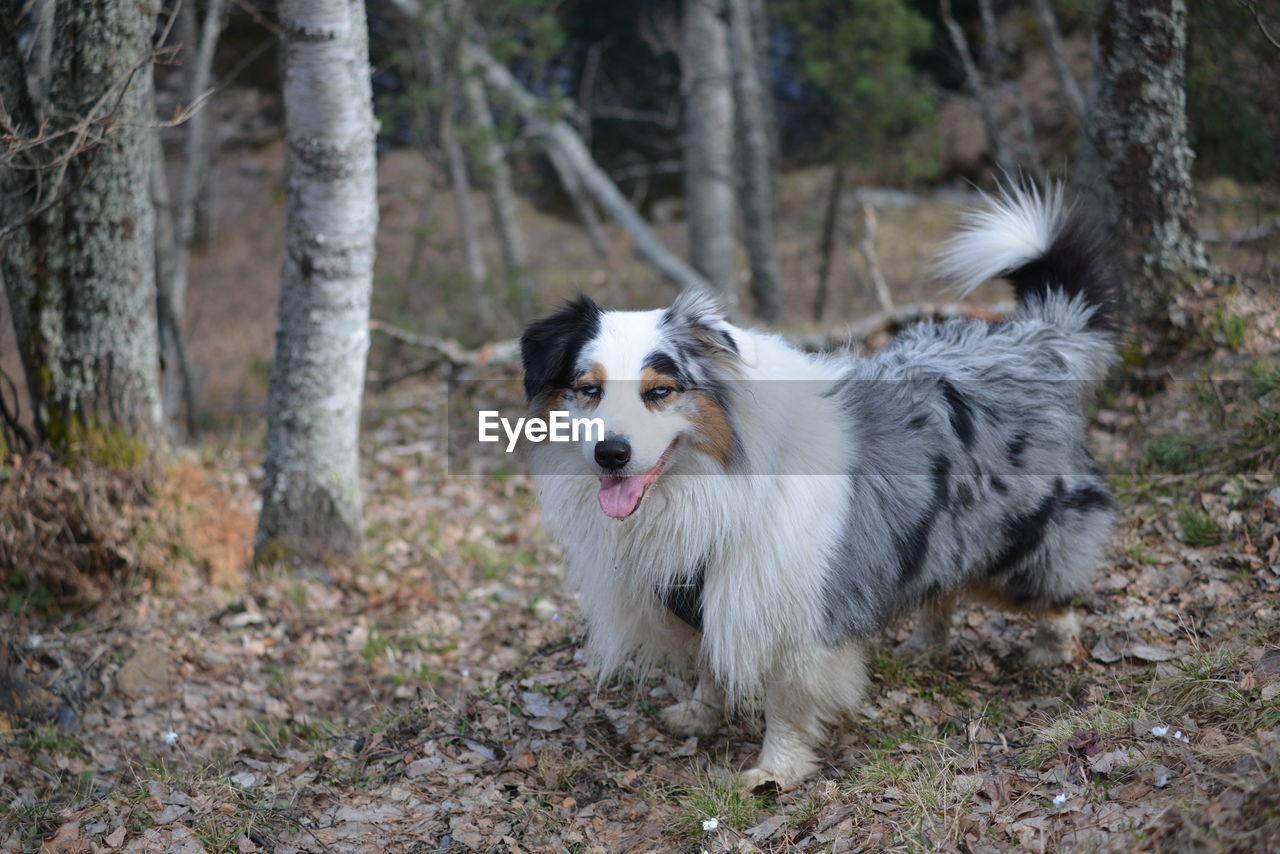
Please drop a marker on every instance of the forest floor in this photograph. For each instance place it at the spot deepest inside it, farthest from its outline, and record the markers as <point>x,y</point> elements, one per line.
<point>155,696</point>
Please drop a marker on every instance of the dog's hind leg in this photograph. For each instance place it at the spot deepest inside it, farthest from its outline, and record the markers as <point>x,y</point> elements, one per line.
<point>797,709</point>
<point>700,713</point>
<point>929,640</point>
<point>1055,638</point>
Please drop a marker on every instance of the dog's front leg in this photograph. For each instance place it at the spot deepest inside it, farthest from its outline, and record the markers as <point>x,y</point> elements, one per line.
<point>797,709</point>
<point>699,714</point>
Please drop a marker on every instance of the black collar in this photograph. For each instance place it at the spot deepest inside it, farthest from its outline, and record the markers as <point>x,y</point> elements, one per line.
<point>683,596</point>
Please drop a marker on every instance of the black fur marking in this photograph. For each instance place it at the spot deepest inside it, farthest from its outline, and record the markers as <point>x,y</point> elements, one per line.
<point>729,343</point>
<point>549,347</point>
<point>918,422</point>
<point>1079,262</point>
<point>1024,534</point>
<point>961,413</point>
<point>1088,498</point>
<point>1022,587</point>
<point>913,547</point>
<point>964,496</point>
<point>1017,447</point>
<point>998,484</point>
<point>664,364</point>
<point>683,597</point>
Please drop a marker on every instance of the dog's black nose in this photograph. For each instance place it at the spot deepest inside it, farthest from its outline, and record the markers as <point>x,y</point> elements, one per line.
<point>613,453</point>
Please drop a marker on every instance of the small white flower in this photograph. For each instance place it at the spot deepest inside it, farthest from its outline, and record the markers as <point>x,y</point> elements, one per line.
<point>1059,799</point>
<point>555,618</point>
<point>710,823</point>
<point>1162,781</point>
<point>465,673</point>
<point>34,641</point>
<point>1159,731</point>
<point>170,737</point>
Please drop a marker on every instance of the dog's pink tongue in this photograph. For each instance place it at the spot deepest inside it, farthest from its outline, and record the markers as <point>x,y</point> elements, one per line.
<point>620,495</point>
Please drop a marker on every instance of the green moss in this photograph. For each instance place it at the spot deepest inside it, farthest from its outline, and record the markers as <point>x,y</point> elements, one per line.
<point>80,437</point>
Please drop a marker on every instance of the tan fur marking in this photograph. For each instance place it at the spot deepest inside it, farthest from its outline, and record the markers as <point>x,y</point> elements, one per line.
<point>715,438</point>
<point>651,379</point>
<point>594,375</point>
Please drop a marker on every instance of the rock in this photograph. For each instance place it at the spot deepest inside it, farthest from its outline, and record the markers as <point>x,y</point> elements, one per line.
<point>146,671</point>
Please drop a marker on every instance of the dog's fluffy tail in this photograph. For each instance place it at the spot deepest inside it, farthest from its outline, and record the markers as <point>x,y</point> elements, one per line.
<point>1040,244</point>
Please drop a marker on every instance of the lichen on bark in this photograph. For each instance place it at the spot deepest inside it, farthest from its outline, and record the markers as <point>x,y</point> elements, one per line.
<point>311,502</point>
<point>77,259</point>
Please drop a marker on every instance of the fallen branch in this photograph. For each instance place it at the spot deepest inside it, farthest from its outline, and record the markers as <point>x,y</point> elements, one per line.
<point>444,355</point>
<point>573,153</point>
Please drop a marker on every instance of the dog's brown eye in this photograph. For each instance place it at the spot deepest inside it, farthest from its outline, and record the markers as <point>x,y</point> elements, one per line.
<point>659,393</point>
<point>588,390</point>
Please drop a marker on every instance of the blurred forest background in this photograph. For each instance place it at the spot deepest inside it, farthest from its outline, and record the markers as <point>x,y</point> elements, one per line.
<point>244,242</point>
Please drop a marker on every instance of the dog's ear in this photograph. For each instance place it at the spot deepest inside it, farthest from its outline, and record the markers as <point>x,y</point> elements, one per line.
<point>549,347</point>
<point>699,312</point>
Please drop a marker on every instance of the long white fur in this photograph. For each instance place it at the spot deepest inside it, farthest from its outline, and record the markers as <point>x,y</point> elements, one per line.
<point>1011,229</point>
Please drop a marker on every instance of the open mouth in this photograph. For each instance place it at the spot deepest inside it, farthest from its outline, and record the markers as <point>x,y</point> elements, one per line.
<point>620,496</point>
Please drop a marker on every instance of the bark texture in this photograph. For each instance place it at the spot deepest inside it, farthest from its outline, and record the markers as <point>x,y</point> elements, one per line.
<point>311,502</point>
<point>1138,128</point>
<point>708,150</point>
<point>752,114</point>
<point>76,245</point>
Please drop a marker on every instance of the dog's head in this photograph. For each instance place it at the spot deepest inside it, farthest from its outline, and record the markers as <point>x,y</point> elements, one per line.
<point>660,381</point>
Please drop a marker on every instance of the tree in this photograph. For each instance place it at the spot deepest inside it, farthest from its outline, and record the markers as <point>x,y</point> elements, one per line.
<point>176,212</point>
<point>76,219</point>
<point>1138,131</point>
<point>571,157</point>
<point>858,54</point>
<point>751,100</point>
<point>311,503</point>
<point>708,152</point>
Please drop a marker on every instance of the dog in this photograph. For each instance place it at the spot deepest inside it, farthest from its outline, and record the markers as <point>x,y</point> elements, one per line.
<point>757,515</point>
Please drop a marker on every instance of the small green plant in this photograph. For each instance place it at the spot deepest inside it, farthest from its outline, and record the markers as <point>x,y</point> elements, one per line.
<point>375,646</point>
<point>1174,454</point>
<point>1228,328</point>
<point>723,800</point>
<point>1198,528</point>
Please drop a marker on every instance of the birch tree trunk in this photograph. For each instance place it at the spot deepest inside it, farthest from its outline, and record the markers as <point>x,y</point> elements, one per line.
<point>708,152</point>
<point>1138,126</point>
<point>76,221</point>
<point>311,502</point>
<point>751,99</point>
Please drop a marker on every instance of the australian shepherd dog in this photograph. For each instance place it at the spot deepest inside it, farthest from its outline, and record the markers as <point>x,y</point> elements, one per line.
<point>755,514</point>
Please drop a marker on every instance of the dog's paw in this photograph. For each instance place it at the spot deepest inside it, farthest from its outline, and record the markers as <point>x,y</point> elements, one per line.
<point>691,717</point>
<point>755,778</point>
<point>1050,654</point>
